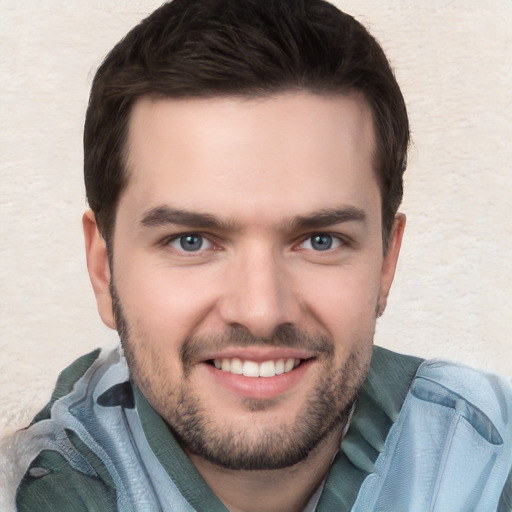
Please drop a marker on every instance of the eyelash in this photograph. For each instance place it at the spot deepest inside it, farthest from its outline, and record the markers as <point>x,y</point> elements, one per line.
<point>179,237</point>
<point>336,241</point>
<point>333,239</point>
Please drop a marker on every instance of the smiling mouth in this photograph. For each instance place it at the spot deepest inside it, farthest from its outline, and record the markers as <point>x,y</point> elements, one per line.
<point>249,368</point>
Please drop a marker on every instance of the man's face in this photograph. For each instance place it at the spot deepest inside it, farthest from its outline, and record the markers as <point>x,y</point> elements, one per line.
<point>248,269</point>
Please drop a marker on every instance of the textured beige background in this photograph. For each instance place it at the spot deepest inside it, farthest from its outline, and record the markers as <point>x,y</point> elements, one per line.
<point>453,291</point>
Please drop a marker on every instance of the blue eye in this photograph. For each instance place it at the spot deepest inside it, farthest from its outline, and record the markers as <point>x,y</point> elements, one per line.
<point>191,242</point>
<point>321,242</point>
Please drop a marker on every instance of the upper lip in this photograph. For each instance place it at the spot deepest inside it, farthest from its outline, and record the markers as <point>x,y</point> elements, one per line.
<point>258,354</point>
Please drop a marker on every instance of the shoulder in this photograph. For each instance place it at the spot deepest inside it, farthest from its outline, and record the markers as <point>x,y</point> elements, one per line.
<point>451,428</point>
<point>443,382</point>
<point>51,484</point>
<point>66,381</point>
<point>47,467</point>
<point>483,399</point>
<point>479,406</point>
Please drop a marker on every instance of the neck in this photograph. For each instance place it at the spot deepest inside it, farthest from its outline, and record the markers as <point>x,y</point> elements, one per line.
<point>280,490</point>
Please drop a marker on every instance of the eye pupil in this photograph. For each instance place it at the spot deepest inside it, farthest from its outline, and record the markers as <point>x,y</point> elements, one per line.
<point>191,242</point>
<point>321,242</point>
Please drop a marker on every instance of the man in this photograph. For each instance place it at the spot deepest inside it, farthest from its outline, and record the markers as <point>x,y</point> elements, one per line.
<point>243,166</point>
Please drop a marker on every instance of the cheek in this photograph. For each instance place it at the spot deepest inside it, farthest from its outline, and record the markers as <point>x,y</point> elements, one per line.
<point>164,303</point>
<point>345,302</point>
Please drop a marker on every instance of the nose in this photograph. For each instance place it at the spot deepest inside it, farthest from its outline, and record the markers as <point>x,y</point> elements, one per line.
<point>259,294</point>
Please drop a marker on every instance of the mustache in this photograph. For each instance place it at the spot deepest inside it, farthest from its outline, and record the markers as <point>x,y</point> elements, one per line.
<point>285,336</point>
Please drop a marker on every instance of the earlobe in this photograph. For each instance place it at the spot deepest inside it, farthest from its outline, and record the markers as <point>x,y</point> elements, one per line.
<point>390,260</point>
<point>98,267</point>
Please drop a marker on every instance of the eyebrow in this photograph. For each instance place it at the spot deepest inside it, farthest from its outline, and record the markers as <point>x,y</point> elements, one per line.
<point>327,217</point>
<point>164,215</point>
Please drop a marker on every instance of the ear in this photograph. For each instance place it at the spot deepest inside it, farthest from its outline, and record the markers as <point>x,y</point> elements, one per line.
<point>390,260</point>
<point>98,267</point>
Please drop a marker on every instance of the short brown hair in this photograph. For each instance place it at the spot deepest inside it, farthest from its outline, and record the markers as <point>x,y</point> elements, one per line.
<point>206,48</point>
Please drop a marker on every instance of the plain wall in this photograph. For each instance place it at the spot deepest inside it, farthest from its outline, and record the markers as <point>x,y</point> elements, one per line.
<point>452,295</point>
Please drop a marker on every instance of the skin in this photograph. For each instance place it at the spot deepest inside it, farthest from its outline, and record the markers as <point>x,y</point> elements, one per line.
<point>273,173</point>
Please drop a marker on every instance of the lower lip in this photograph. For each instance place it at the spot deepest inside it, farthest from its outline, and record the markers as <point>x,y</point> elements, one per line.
<point>259,387</point>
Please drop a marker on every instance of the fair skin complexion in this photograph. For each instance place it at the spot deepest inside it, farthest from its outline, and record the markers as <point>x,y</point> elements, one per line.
<point>246,216</point>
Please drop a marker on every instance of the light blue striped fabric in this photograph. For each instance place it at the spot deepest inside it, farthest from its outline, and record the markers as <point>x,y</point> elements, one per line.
<point>451,448</point>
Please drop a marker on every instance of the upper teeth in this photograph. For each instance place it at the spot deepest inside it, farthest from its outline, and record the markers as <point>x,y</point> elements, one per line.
<point>255,369</point>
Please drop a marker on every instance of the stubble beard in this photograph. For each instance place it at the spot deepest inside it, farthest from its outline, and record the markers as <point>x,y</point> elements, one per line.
<point>326,409</point>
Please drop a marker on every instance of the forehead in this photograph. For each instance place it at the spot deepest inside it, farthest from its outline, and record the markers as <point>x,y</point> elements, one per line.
<point>235,154</point>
